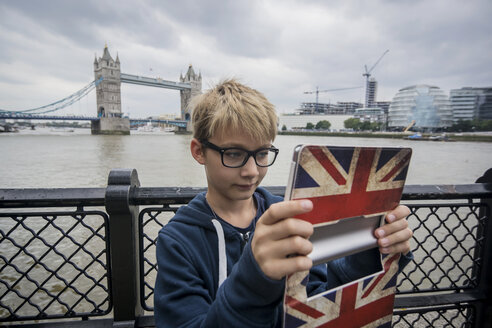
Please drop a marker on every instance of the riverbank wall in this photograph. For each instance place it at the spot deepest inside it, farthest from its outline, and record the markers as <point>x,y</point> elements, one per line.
<point>472,137</point>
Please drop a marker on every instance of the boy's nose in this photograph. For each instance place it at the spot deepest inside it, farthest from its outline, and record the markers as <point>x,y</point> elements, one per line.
<point>250,168</point>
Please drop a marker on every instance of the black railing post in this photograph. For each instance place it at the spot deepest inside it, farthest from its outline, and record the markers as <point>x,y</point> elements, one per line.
<point>123,234</point>
<point>484,311</point>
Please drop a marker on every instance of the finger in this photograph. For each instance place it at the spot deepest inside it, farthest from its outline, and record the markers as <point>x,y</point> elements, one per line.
<point>293,245</point>
<point>289,247</point>
<point>269,235</point>
<point>285,209</point>
<point>400,212</point>
<point>288,227</point>
<point>403,248</point>
<point>279,268</point>
<point>395,238</point>
<point>391,228</point>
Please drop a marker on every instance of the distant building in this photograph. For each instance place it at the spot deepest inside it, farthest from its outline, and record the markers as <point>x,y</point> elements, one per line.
<point>485,105</point>
<point>164,117</point>
<point>348,107</point>
<point>471,103</point>
<point>371,90</point>
<point>312,108</point>
<point>427,105</point>
<point>383,104</point>
<point>168,116</point>
<point>340,108</point>
<point>373,115</point>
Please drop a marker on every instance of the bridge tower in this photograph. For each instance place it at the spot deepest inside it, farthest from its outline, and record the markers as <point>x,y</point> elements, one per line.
<point>186,95</point>
<point>108,93</point>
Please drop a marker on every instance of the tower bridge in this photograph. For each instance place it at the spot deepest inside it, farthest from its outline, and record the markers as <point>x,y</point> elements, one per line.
<point>109,118</point>
<point>154,82</point>
<point>108,94</point>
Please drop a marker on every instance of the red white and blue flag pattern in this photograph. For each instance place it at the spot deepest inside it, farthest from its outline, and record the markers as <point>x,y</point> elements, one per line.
<point>368,303</point>
<point>345,182</point>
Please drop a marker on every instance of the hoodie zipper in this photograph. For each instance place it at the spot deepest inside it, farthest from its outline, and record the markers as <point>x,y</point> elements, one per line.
<point>244,239</point>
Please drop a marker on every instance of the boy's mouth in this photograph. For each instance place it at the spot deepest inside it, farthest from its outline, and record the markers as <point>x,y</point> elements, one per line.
<point>245,186</point>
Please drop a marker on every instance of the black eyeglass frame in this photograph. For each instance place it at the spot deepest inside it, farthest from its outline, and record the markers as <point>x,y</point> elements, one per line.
<point>253,153</point>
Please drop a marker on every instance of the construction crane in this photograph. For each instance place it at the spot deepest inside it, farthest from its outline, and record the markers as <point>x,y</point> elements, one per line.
<point>367,74</point>
<point>317,91</point>
<point>409,126</point>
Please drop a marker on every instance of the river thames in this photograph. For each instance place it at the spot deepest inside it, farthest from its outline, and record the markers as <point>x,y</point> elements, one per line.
<point>47,159</point>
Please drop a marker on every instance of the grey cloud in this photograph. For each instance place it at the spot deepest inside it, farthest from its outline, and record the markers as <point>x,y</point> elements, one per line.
<point>238,27</point>
<point>83,21</point>
<point>446,43</point>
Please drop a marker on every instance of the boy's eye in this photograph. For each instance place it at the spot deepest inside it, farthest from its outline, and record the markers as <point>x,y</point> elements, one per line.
<point>234,153</point>
<point>262,154</point>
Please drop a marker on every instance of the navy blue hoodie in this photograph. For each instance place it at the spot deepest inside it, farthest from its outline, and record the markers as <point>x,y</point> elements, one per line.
<point>187,292</point>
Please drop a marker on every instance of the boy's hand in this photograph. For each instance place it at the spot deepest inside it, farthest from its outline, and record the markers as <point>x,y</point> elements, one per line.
<point>394,236</point>
<point>280,243</point>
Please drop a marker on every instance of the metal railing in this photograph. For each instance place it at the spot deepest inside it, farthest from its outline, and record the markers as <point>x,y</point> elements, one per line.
<point>88,254</point>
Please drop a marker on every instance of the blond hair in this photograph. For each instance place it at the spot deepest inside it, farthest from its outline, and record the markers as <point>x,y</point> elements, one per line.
<point>232,106</point>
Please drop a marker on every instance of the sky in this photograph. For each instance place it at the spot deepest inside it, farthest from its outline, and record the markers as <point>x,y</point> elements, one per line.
<point>282,48</point>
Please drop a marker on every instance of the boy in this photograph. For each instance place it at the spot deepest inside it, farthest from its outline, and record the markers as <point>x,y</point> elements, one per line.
<point>212,270</point>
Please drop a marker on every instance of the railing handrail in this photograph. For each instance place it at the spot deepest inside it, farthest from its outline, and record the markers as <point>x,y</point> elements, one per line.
<point>51,197</point>
<point>55,197</point>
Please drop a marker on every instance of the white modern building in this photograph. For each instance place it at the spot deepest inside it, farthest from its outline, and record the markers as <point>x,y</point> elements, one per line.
<point>373,115</point>
<point>427,105</point>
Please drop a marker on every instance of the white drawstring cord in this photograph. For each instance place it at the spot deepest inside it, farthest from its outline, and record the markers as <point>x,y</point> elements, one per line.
<point>222,251</point>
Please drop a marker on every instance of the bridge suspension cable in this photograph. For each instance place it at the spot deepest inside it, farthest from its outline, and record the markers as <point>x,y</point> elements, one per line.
<point>60,104</point>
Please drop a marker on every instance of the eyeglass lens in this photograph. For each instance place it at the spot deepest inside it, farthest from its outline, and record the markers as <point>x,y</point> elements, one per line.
<point>238,157</point>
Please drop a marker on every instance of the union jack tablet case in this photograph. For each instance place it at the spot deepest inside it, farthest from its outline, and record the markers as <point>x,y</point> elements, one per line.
<point>352,188</point>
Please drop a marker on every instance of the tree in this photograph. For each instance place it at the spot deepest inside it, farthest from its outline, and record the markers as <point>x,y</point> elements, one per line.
<point>461,126</point>
<point>352,123</point>
<point>365,126</point>
<point>471,125</point>
<point>284,127</point>
<point>323,125</point>
<point>485,125</point>
<point>309,126</point>
<point>376,126</point>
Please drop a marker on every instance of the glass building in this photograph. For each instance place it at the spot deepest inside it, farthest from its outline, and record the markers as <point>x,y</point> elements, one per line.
<point>485,105</point>
<point>464,103</point>
<point>471,103</point>
<point>427,105</point>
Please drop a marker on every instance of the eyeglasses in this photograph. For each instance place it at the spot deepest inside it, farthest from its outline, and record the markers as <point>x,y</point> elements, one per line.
<point>236,157</point>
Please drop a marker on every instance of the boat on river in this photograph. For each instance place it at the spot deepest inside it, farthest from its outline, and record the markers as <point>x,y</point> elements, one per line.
<point>418,136</point>
<point>150,128</point>
<point>62,129</point>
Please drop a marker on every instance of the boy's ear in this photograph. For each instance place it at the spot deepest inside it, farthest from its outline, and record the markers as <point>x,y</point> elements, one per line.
<point>197,151</point>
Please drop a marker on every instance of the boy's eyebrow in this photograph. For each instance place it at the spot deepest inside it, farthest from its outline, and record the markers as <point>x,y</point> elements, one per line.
<point>237,145</point>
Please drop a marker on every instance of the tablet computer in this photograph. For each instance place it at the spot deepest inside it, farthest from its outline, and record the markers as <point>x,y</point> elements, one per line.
<point>352,189</point>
